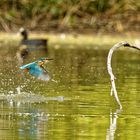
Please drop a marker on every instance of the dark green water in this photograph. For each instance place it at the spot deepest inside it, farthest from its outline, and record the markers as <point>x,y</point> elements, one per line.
<point>76,107</point>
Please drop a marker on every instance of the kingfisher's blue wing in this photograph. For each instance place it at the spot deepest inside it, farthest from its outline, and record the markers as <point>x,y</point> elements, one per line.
<point>33,64</point>
<point>28,65</point>
<point>36,70</point>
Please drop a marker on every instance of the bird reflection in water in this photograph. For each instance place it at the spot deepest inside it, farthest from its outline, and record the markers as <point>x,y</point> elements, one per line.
<point>22,54</point>
<point>37,69</point>
<point>28,46</point>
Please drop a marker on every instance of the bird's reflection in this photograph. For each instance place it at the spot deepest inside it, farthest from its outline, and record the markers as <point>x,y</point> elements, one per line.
<point>22,54</point>
<point>113,124</point>
<point>30,46</point>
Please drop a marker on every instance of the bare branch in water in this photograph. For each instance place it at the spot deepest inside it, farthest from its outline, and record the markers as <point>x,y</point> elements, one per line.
<point>109,68</point>
<point>113,124</point>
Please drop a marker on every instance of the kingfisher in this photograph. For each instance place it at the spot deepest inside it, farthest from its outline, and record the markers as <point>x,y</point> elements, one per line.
<point>37,69</point>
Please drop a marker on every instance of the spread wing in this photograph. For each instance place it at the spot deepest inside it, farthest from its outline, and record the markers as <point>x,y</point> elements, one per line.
<point>30,65</point>
<point>38,71</point>
<point>44,76</point>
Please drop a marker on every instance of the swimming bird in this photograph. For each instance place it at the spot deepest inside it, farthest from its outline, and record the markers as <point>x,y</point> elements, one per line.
<point>37,69</point>
<point>33,44</point>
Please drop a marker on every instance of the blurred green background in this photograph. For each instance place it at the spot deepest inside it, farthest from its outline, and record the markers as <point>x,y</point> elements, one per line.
<point>71,15</point>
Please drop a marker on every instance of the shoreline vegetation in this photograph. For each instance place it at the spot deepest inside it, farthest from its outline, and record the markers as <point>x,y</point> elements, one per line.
<point>80,16</point>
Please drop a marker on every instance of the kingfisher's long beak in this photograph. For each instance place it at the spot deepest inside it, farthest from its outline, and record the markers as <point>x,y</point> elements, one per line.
<point>40,63</point>
<point>48,59</point>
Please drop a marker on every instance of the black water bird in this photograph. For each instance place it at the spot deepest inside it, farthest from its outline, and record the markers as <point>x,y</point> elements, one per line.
<point>33,44</point>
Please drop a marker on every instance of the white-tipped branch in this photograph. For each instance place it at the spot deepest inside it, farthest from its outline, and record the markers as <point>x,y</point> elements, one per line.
<point>109,68</point>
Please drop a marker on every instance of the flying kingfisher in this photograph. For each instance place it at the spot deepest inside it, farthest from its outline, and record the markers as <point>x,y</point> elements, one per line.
<point>37,69</point>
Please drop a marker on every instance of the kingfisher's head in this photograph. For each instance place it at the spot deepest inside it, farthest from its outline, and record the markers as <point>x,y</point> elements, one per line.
<point>43,60</point>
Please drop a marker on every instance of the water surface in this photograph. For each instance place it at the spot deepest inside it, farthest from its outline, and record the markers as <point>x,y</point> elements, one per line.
<point>78,105</point>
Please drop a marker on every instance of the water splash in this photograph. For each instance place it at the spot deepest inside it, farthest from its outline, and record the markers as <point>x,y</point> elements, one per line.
<point>25,97</point>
